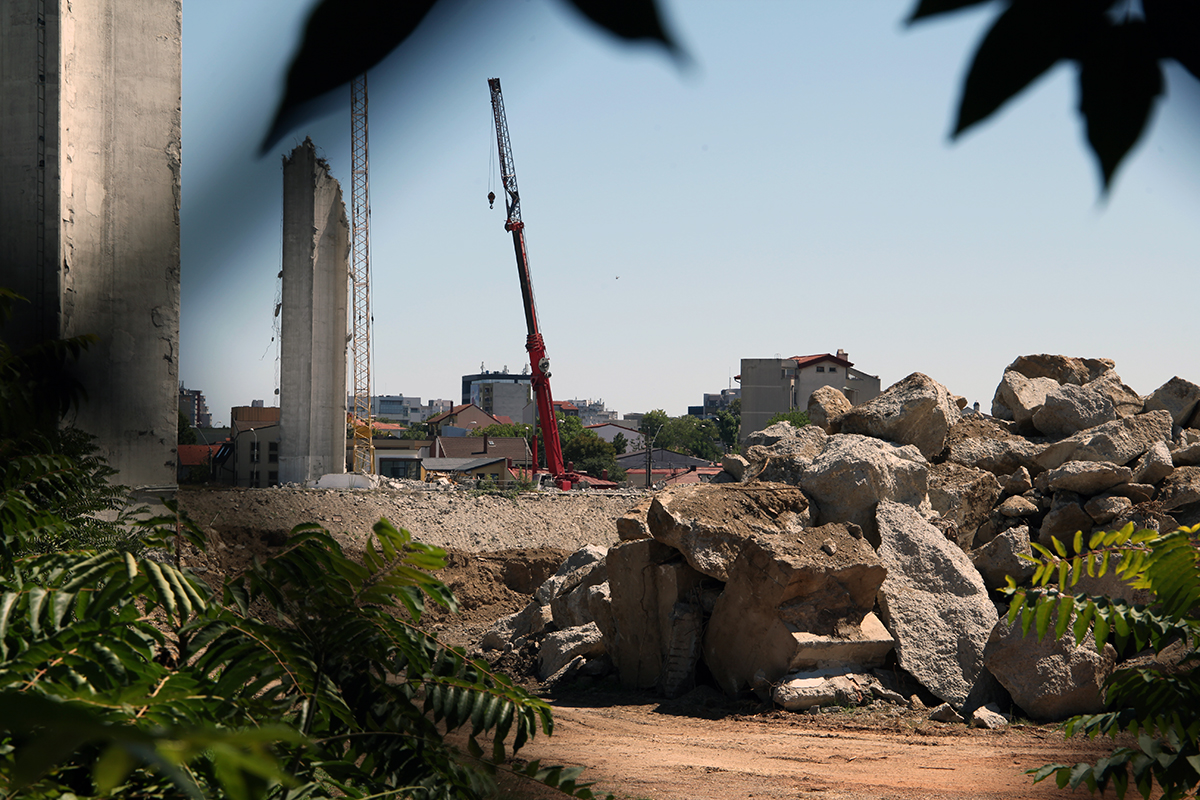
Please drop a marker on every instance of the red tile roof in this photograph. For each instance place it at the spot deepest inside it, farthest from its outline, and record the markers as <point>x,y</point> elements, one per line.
<point>450,413</point>
<point>195,455</point>
<point>804,361</point>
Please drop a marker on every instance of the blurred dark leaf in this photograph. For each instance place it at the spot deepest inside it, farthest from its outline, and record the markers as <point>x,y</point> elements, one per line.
<point>928,8</point>
<point>633,19</point>
<point>342,40</point>
<point>1025,41</point>
<point>1119,78</point>
<point>1175,30</point>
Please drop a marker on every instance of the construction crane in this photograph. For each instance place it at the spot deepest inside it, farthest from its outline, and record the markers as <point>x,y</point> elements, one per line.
<point>360,278</point>
<point>538,361</point>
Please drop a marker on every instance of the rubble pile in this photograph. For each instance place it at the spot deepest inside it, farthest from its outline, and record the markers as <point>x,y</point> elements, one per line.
<point>855,559</point>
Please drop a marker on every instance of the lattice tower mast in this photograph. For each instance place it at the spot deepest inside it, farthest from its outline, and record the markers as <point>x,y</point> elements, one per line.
<point>360,277</point>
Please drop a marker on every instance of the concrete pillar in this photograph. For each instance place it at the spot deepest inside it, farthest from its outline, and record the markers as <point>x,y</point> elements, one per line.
<point>313,326</point>
<point>89,208</point>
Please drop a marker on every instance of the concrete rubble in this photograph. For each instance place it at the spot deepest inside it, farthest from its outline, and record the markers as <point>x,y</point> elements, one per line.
<point>830,559</point>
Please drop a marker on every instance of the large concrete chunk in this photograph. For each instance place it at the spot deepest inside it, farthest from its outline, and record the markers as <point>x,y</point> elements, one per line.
<point>1125,400</point>
<point>1070,409</point>
<point>1177,397</point>
<point>710,524</point>
<point>1061,369</point>
<point>632,524</point>
<point>646,580</point>
<point>820,580</point>
<point>826,405</point>
<point>854,473</point>
<point>1154,465</point>
<point>918,411</point>
<point>934,603</point>
<point>1119,441</point>
<point>1181,489</point>
<point>561,647</point>
<point>784,459</point>
<point>1086,477</point>
<point>984,444</point>
<point>1018,398</point>
<point>964,496</point>
<point>569,574</point>
<point>1001,558</point>
<point>1051,679</point>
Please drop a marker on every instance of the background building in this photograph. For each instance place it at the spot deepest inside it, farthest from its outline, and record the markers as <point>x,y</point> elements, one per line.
<point>773,386</point>
<point>193,406</point>
<point>715,403</point>
<point>501,394</point>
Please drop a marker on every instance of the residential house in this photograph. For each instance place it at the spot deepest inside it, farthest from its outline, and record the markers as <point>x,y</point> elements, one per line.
<point>664,465</point>
<point>773,386</point>
<point>253,456</point>
<point>608,431</point>
<point>464,418</point>
<point>485,467</point>
<point>195,462</point>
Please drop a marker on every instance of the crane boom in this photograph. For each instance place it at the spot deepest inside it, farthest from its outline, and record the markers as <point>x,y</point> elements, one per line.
<point>538,362</point>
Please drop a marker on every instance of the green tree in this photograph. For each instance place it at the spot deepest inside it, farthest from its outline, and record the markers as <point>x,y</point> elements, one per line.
<point>795,416</point>
<point>652,423</point>
<point>507,430</point>
<point>593,455</point>
<point>417,430</point>
<point>729,423</point>
<point>620,444</point>
<point>691,435</point>
<point>187,434</point>
<point>1158,706</point>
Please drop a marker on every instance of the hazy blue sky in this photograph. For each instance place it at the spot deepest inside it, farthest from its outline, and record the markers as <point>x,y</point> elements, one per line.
<point>792,192</point>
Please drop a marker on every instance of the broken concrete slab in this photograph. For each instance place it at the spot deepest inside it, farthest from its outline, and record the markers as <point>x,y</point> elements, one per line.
<point>1001,558</point>
<point>560,647</point>
<point>1120,441</point>
<point>917,410</point>
<point>1178,397</point>
<point>1086,477</point>
<point>826,405</point>
<point>710,524</point>
<point>934,603</point>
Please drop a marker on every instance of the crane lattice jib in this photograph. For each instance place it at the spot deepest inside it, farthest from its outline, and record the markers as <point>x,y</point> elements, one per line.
<point>533,341</point>
<point>360,277</point>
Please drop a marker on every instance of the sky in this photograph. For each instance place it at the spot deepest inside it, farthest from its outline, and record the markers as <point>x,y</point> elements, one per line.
<point>791,189</point>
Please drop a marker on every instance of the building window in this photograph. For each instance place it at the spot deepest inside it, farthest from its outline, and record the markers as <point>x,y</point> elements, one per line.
<point>273,452</point>
<point>820,369</point>
<point>833,369</point>
<point>254,452</point>
<point>273,478</point>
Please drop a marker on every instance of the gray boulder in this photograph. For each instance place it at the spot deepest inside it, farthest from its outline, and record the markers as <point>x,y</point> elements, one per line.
<point>1125,400</point>
<point>964,496</point>
<point>1119,441</point>
<point>1069,409</point>
<point>570,573</point>
<point>772,435</point>
<point>989,718</point>
<point>1019,482</point>
<point>819,580</point>
<point>1019,397</point>
<point>1051,679</point>
<point>918,411</point>
<point>1017,506</point>
<point>560,647</point>
<point>1181,489</point>
<point>1104,508</point>
<point>1177,397</point>
<point>985,445</point>
<point>1186,456</point>
<point>571,608</point>
<point>1154,465</point>
<point>784,460</point>
<point>1066,517</point>
<point>533,618</point>
<point>1062,369</point>
<point>735,465</point>
<point>1086,477</point>
<point>934,603</point>
<point>826,405</point>
<point>710,524</point>
<point>854,473</point>
<point>1001,558</point>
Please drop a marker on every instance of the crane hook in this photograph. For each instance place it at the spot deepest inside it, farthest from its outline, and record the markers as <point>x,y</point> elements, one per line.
<point>491,199</point>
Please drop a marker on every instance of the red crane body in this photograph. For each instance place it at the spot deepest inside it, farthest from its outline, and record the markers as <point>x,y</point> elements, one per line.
<point>538,362</point>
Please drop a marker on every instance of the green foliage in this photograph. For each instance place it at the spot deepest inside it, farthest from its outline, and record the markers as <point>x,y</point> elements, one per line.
<point>506,430</point>
<point>795,416</point>
<point>591,454</point>
<point>691,435</point>
<point>1159,707</point>
<point>652,423</point>
<point>729,423</point>
<point>418,430</point>
<point>620,444</point>
<point>1117,51</point>
<point>187,434</point>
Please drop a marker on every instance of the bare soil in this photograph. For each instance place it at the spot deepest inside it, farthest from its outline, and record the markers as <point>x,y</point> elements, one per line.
<point>636,745</point>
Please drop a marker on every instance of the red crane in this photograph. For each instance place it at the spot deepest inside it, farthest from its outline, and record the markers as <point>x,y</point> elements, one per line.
<point>538,361</point>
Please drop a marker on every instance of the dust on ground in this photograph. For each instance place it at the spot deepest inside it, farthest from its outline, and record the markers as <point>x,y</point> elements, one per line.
<point>634,744</point>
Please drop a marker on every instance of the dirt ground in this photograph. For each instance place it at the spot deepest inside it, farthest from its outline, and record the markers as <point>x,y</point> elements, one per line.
<point>636,745</point>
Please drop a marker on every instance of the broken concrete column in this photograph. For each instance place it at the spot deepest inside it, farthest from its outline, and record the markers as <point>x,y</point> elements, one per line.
<point>316,275</point>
